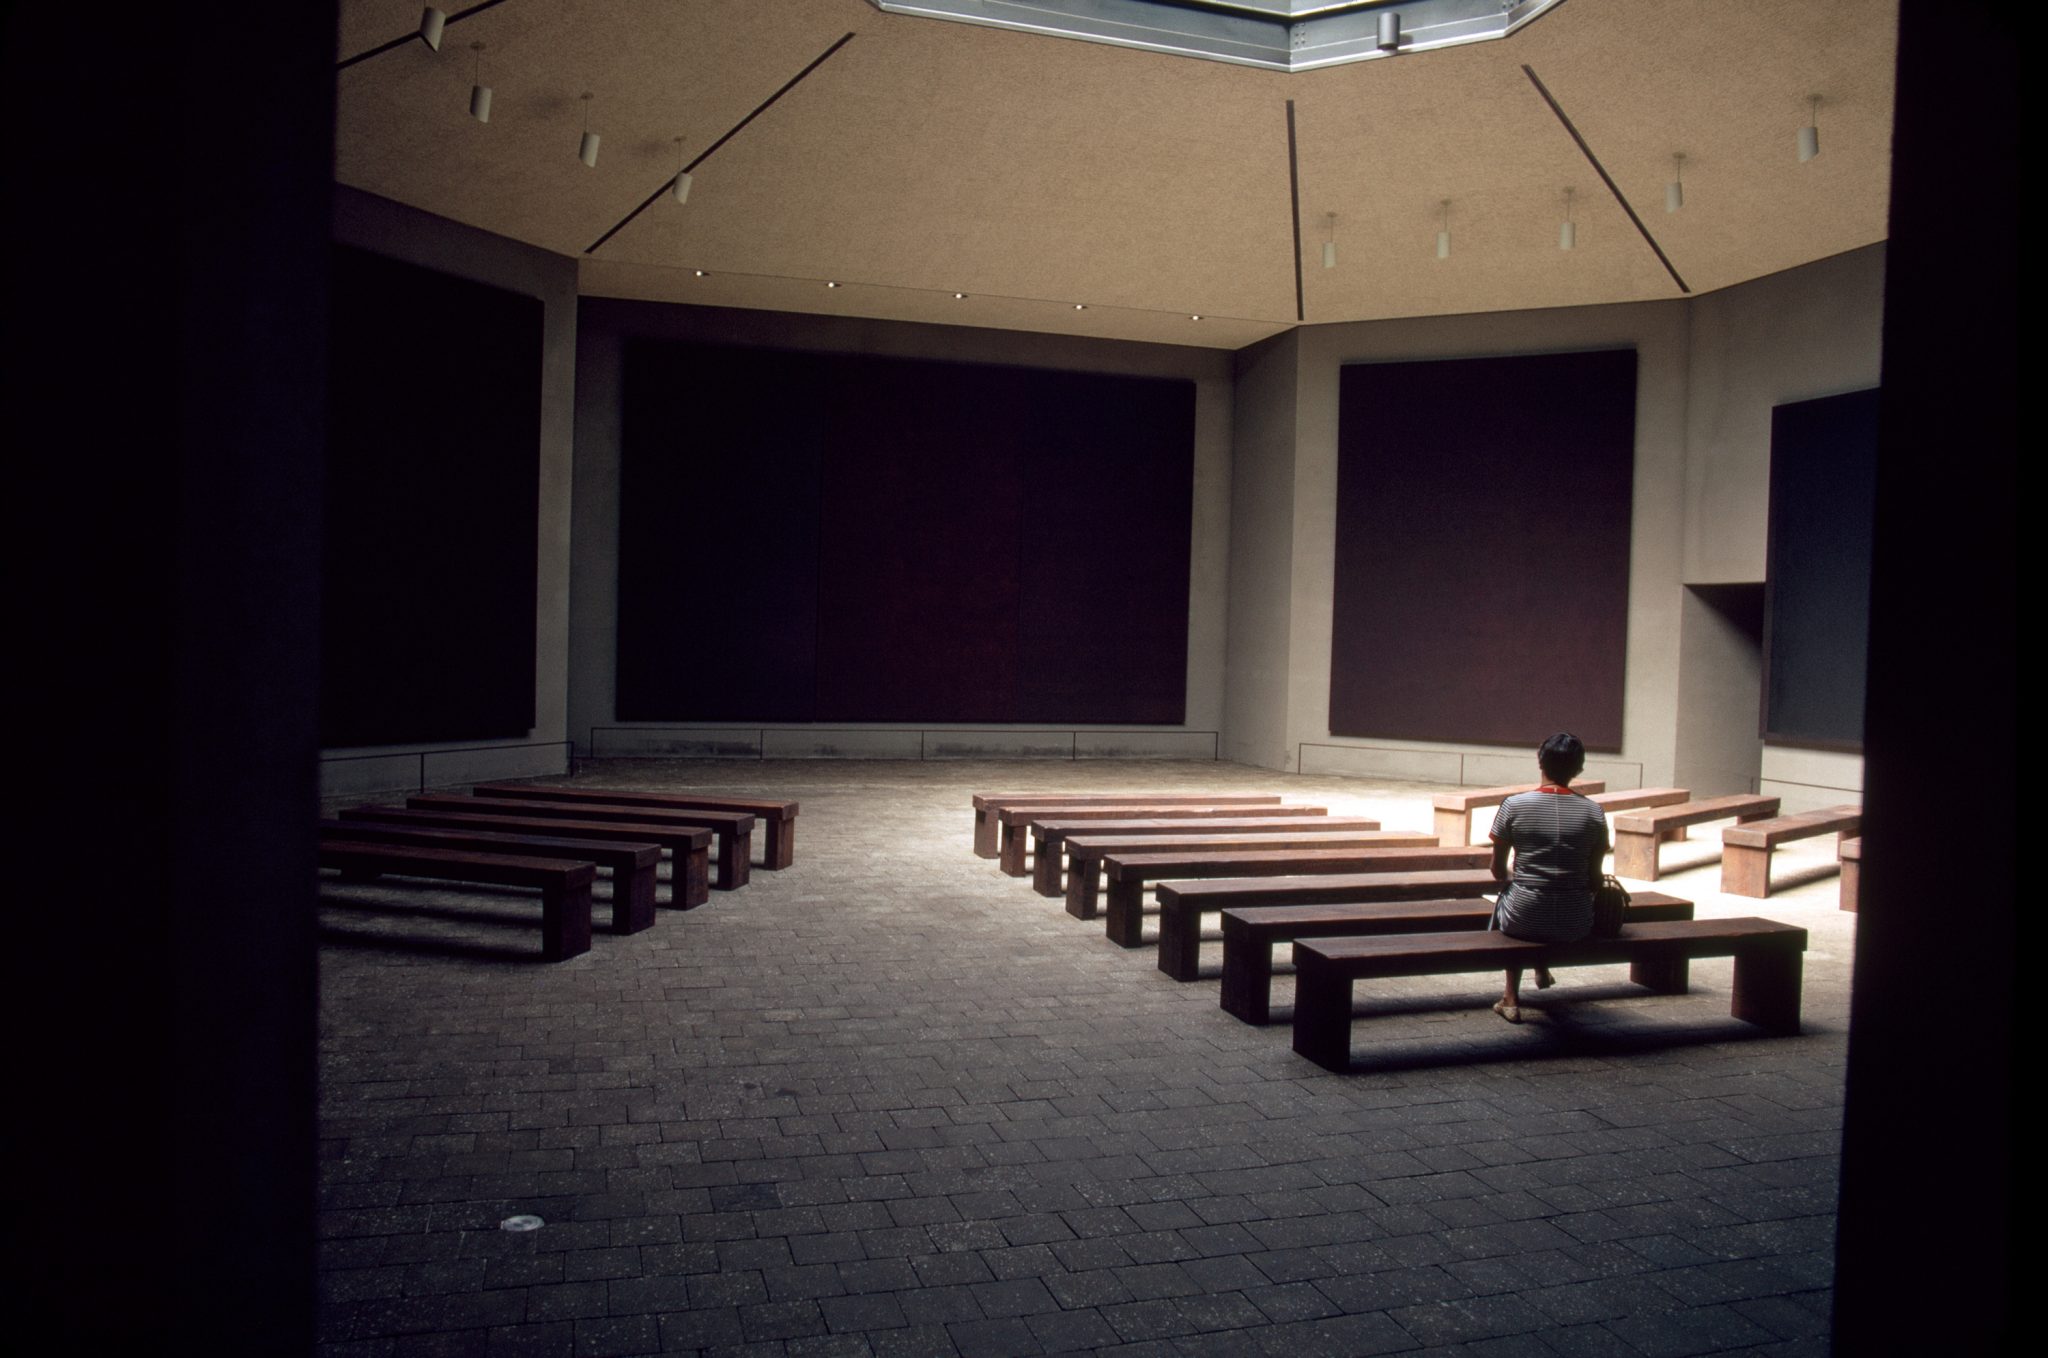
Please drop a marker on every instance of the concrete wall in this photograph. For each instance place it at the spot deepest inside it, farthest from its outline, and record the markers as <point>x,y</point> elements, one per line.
<point>593,724</point>
<point>1709,371</point>
<point>404,233</point>
<point>1657,332</point>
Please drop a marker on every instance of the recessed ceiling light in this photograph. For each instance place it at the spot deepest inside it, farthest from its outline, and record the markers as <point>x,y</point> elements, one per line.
<point>702,274</point>
<point>1194,318</point>
<point>1080,306</point>
<point>959,296</point>
<point>831,285</point>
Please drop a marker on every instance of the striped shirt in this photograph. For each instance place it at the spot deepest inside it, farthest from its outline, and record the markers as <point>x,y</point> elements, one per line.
<point>1560,844</point>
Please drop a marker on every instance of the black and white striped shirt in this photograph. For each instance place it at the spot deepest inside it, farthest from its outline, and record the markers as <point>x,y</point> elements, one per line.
<point>1560,845</point>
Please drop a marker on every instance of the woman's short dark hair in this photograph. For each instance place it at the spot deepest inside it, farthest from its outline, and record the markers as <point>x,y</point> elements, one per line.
<point>1561,757</point>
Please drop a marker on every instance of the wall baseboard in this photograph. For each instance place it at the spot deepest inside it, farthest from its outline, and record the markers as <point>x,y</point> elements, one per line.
<point>363,775</point>
<point>908,743</point>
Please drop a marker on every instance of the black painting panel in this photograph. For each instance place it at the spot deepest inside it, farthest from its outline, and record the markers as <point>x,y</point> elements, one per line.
<point>919,583</point>
<point>1817,583</point>
<point>432,506</point>
<point>1481,590</point>
<point>718,533</point>
<point>921,538</point>
<point>1108,503</point>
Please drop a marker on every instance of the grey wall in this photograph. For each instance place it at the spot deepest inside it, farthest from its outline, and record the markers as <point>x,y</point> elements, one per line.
<point>1710,369</point>
<point>605,326</point>
<point>404,233</point>
<point>1807,332</point>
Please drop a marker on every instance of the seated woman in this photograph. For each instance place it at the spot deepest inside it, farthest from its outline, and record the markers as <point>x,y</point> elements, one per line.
<point>1559,841</point>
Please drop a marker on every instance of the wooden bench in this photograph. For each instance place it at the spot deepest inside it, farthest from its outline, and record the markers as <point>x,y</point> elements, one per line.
<point>1124,901</point>
<point>778,818</point>
<point>1451,812</point>
<point>734,829</point>
<point>690,847</point>
<point>1249,936</point>
<point>1184,904</point>
<point>1768,964</point>
<point>631,865</point>
<point>1635,799</point>
<point>1851,850</point>
<point>1048,844</point>
<point>564,887</point>
<point>1638,833</point>
<point>987,842</point>
<point>1746,849</point>
<point>1013,822</point>
<point>1088,855</point>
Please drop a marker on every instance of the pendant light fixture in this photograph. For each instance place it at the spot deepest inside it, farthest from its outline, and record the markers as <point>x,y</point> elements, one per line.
<point>479,93</point>
<point>1674,192</point>
<point>587,150</point>
<point>1567,230</point>
<point>1809,135</point>
<point>1330,242</point>
<point>1443,232</point>
<point>680,188</point>
<point>432,21</point>
<point>1390,31</point>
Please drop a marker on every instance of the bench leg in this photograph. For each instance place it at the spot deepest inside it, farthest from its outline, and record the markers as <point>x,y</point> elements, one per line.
<point>632,900</point>
<point>1635,856</point>
<point>1745,871</point>
<point>1322,1018</point>
<point>984,834</point>
<point>1180,941</point>
<point>1670,975</point>
<point>1767,984</point>
<point>564,922</point>
<point>1081,889</point>
<point>779,850</point>
<point>735,860</point>
<point>1124,913</point>
<point>1248,979</point>
<point>1453,828</point>
<point>1852,883</point>
<point>1011,857</point>
<point>692,884</point>
<point>1045,869</point>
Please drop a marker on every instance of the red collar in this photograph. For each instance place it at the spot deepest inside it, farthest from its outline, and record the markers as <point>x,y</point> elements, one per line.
<point>1560,791</point>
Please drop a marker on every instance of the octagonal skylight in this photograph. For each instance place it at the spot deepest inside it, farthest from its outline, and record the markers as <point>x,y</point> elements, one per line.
<point>1278,35</point>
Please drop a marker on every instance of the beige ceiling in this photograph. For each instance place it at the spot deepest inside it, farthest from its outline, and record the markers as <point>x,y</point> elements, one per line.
<point>1033,173</point>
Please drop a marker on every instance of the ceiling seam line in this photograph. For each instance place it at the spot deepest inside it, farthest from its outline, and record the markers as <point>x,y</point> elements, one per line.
<point>730,133</point>
<point>381,48</point>
<point>1294,205</point>
<point>1605,178</point>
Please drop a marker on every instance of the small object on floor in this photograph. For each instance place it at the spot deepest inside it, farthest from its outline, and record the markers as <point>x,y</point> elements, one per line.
<point>1512,1013</point>
<point>1544,980</point>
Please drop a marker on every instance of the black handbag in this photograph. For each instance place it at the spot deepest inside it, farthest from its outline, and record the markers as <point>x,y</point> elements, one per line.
<point>1610,904</point>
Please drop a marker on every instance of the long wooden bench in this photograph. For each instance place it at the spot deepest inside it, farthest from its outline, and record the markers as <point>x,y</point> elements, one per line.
<point>689,846</point>
<point>1746,849</point>
<point>1048,844</point>
<point>1184,904</point>
<point>632,865</point>
<point>1852,872</point>
<point>564,887</point>
<point>987,838</point>
<point>734,829</point>
<point>778,818</point>
<point>1086,849</point>
<point>1124,901</point>
<point>1088,855</point>
<point>1451,812</point>
<point>1768,957</point>
<point>1249,936</point>
<point>1013,822</point>
<point>1638,833</point>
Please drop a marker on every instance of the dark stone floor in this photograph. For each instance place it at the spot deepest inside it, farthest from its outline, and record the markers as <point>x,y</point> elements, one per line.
<point>889,1101</point>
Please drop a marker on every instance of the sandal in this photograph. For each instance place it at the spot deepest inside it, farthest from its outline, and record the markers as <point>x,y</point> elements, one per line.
<point>1512,1013</point>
